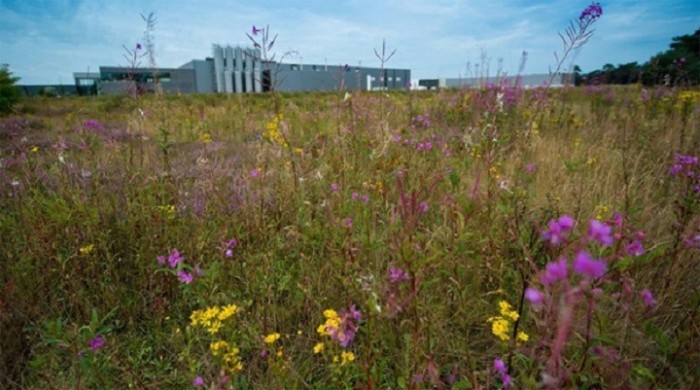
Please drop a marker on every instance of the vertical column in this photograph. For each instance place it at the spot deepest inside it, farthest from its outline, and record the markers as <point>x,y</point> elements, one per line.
<point>257,70</point>
<point>238,68</point>
<point>218,67</point>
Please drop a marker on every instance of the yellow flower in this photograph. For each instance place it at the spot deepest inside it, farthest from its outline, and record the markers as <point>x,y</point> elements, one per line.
<point>218,347</point>
<point>346,357</point>
<point>34,149</point>
<point>601,212</point>
<point>227,311</point>
<point>330,313</point>
<point>271,338</point>
<point>318,348</point>
<point>507,311</point>
<point>87,249</point>
<point>205,138</point>
<point>500,327</point>
<point>522,336</point>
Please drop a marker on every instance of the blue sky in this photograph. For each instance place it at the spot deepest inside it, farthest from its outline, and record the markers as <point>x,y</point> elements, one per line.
<point>45,41</point>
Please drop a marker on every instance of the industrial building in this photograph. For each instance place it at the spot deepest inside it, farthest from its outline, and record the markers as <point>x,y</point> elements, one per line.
<point>524,81</point>
<point>239,70</point>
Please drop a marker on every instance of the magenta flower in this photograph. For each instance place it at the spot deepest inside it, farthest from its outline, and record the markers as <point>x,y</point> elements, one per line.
<point>635,248</point>
<point>347,329</point>
<point>355,195</point>
<point>185,277</point>
<point>600,232</point>
<point>256,31</point>
<point>228,252</point>
<point>535,297</point>
<point>555,271</point>
<point>499,366</point>
<point>254,173</point>
<point>587,266</point>
<point>423,207</point>
<point>175,258</point>
<point>530,167</point>
<point>364,199</point>
<point>97,342</point>
<point>348,222</point>
<point>335,187</point>
<point>648,298</point>
<point>161,260</point>
<point>198,381</point>
<point>558,230</point>
<point>396,275</point>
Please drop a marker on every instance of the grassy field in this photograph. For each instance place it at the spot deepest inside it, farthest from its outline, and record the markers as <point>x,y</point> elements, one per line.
<point>451,239</point>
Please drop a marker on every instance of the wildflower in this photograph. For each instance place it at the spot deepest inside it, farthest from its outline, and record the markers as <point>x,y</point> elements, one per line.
<point>364,199</point>
<point>522,336</point>
<point>198,381</point>
<point>271,338</point>
<point>97,342</point>
<point>555,271</point>
<point>175,258</point>
<point>256,31</point>
<point>397,275</point>
<point>334,187</point>
<point>635,248</point>
<point>499,366</point>
<point>348,222</point>
<point>500,327</point>
<point>530,167</point>
<point>534,296</point>
<point>340,328</point>
<point>600,232</point>
<point>254,172</point>
<point>558,230</point>
<point>507,310</point>
<point>138,46</point>
<point>185,277</point>
<point>587,266</point>
<point>227,311</point>
<point>423,207</point>
<point>318,348</point>
<point>346,357</point>
<point>355,195</point>
<point>591,13</point>
<point>34,149</point>
<point>648,298</point>
<point>87,249</point>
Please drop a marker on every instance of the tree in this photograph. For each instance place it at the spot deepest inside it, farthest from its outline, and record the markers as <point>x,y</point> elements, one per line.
<point>9,92</point>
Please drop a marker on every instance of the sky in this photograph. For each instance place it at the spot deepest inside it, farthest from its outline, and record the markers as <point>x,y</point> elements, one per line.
<point>45,41</point>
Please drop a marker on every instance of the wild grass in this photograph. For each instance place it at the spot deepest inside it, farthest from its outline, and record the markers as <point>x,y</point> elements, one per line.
<point>424,229</point>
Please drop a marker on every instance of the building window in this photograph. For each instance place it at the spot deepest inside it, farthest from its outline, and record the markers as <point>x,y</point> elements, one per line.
<point>398,79</point>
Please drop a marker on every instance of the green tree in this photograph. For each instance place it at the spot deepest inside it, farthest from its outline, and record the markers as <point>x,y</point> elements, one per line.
<point>9,92</point>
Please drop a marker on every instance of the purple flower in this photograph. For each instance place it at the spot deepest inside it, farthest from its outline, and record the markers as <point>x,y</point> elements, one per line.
<point>648,298</point>
<point>228,252</point>
<point>185,277</point>
<point>534,296</point>
<point>507,381</point>
<point>355,195</point>
<point>347,328</point>
<point>396,275</point>
<point>555,271</point>
<point>254,173</point>
<point>558,230</point>
<point>161,260</point>
<point>591,13</point>
<point>348,222</point>
<point>499,366</point>
<point>256,31</point>
<point>138,46</point>
<point>198,381</point>
<point>600,232</point>
<point>364,199</point>
<point>530,167</point>
<point>175,258</point>
<point>335,187</point>
<point>97,342</point>
<point>587,266</point>
<point>423,207</point>
<point>635,248</point>
<point>198,271</point>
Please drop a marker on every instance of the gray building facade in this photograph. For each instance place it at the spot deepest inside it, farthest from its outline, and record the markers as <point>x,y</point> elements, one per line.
<point>239,70</point>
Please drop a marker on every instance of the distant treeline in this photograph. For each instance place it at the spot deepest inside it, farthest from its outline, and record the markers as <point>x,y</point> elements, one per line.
<point>679,65</point>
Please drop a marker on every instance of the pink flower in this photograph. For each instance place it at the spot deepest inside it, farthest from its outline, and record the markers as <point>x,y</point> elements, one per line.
<point>534,296</point>
<point>198,381</point>
<point>185,277</point>
<point>587,266</point>
<point>97,342</point>
<point>600,232</point>
<point>555,271</point>
<point>335,187</point>
<point>648,298</point>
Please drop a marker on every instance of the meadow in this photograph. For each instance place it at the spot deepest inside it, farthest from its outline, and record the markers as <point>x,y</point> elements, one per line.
<point>477,238</point>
